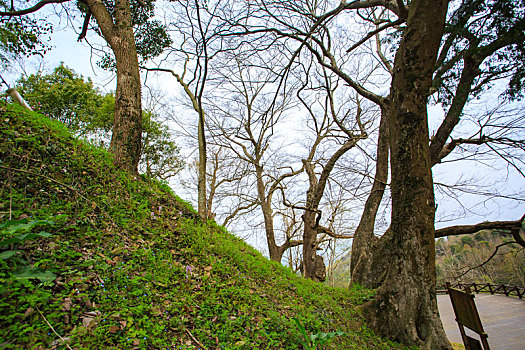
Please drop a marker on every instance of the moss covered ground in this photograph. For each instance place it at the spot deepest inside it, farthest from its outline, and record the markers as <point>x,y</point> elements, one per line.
<point>94,258</point>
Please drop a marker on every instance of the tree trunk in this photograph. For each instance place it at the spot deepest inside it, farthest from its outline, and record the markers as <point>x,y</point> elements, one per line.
<point>314,194</point>
<point>265,202</point>
<point>201,182</point>
<point>127,127</point>
<point>405,307</point>
<point>309,243</point>
<point>364,239</point>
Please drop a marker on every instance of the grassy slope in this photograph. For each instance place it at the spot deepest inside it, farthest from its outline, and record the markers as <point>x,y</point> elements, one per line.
<point>135,267</point>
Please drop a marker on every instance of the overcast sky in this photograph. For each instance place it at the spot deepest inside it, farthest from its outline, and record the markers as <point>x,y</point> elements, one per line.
<point>79,57</point>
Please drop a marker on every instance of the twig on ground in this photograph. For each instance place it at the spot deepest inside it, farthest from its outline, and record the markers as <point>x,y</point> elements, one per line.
<point>195,339</point>
<point>50,326</point>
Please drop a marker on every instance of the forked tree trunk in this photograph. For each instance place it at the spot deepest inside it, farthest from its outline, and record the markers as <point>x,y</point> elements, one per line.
<point>127,127</point>
<point>314,194</point>
<point>364,242</point>
<point>405,307</point>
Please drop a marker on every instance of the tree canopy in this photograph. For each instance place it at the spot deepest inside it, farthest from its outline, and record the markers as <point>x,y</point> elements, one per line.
<point>68,97</point>
<point>21,36</point>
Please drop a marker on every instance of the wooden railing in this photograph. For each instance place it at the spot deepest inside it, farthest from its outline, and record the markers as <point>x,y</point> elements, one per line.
<point>486,288</point>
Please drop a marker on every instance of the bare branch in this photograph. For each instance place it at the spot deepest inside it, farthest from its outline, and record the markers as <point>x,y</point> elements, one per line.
<point>375,32</point>
<point>322,229</point>
<point>513,226</point>
<point>85,25</point>
<point>32,9</point>
<point>486,261</point>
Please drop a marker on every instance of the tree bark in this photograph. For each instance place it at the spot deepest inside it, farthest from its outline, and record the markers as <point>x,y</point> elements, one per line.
<point>266,208</point>
<point>314,194</point>
<point>405,307</point>
<point>364,239</point>
<point>201,180</point>
<point>127,128</point>
<point>309,243</point>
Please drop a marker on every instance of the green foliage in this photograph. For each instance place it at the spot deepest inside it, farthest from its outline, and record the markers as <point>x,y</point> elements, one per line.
<point>160,157</point>
<point>467,240</point>
<point>465,259</point>
<point>65,96</point>
<point>151,37</point>
<point>12,265</point>
<point>360,294</point>
<point>135,268</point>
<point>315,341</point>
<point>21,36</point>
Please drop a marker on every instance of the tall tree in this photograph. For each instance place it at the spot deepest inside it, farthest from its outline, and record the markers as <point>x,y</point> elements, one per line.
<point>415,319</point>
<point>196,25</point>
<point>331,125</point>
<point>244,125</point>
<point>87,112</point>
<point>116,21</point>
<point>406,297</point>
<point>116,28</point>
<point>470,58</point>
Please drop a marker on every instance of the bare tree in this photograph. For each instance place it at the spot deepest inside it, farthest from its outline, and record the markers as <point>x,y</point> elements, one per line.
<point>243,124</point>
<point>195,26</point>
<point>328,125</point>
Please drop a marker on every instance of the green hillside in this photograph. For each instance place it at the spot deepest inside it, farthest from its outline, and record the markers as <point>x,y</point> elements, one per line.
<point>95,259</point>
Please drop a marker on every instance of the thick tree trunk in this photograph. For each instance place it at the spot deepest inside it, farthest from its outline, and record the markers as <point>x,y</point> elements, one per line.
<point>405,307</point>
<point>309,244</point>
<point>364,239</point>
<point>127,127</point>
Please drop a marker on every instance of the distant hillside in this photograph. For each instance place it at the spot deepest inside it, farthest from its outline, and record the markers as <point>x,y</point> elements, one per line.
<point>95,259</point>
<point>467,259</point>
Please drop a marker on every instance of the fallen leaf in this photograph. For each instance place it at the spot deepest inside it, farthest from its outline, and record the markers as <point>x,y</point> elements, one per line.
<point>156,311</point>
<point>30,311</point>
<point>113,329</point>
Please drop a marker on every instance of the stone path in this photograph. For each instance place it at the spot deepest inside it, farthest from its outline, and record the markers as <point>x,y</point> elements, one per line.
<point>503,319</point>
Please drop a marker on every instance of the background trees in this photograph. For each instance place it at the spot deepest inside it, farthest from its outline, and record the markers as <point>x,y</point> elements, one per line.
<point>314,103</point>
<point>65,96</point>
<point>118,23</point>
<point>484,257</point>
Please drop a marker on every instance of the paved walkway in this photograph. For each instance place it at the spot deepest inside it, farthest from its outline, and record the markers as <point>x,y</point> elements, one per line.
<point>503,319</point>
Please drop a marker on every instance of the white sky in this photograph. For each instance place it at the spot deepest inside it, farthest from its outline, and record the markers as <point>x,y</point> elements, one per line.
<point>78,56</point>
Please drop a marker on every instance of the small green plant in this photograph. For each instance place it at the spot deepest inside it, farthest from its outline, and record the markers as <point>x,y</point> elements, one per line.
<point>315,341</point>
<point>136,267</point>
<point>13,266</point>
